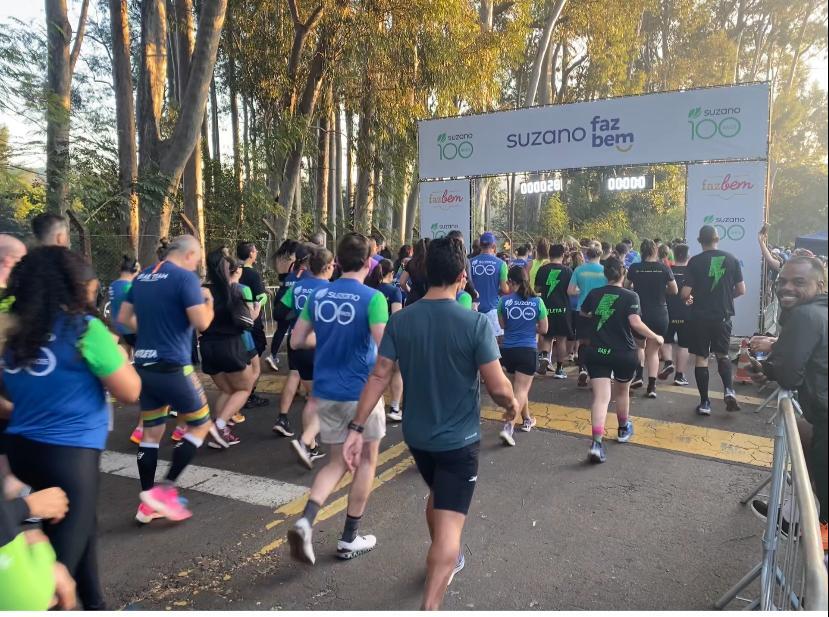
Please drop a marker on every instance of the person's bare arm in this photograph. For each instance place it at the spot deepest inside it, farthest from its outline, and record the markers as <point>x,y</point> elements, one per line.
<point>301,334</point>
<point>671,288</point>
<point>201,315</point>
<point>376,385</point>
<point>740,289</point>
<point>404,282</point>
<point>377,332</point>
<point>639,326</point>
<point>499,388</point>
<point>541,326</point>
<point>124,384</point>
<point>685,293</point>
<point>767,256</point>
<point>126,316</point>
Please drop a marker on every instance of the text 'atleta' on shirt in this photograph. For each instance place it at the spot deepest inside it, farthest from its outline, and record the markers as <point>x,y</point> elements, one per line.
<point>520,317</point>
<point>441,392</point>
<point>342,314</point>
<point>488,272</point>
<point>610,307</point>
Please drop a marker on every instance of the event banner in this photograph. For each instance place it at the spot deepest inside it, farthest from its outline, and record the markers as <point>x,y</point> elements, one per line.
<point>731,197</point>
<point>710,124</point>
<point>444,206</point>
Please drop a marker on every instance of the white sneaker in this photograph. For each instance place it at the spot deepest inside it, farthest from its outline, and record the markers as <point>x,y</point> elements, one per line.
<point>299,539</point>
<point>458,567</point>
<point>355,548</point>
<point>303,453</point>
<point>528,424</point>
<point>273,362</point>
<point>395,415</point>
<point>506,435</point>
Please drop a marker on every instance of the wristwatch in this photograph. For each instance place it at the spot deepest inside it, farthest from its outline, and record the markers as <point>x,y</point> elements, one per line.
<point>358,428</point>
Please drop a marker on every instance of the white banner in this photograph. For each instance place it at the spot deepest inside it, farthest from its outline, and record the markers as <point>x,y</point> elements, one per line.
<point>696,125</point>
<point>444,206</point>
<point>731,197</point>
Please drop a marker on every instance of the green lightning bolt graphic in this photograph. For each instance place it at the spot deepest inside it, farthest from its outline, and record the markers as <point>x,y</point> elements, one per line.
<point>552,281</point>
<point>605,309</point>
<point>716,270</point>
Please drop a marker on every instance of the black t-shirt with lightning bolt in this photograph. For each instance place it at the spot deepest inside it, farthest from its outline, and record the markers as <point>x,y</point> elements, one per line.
<point>712,275</point>
<point>551,283</point>
<point>609,308</point>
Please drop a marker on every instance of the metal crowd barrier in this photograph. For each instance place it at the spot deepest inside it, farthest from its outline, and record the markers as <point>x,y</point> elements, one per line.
<point>792,572</point>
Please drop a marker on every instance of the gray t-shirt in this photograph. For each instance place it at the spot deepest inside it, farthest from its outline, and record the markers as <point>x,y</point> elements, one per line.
<point>440,346</point>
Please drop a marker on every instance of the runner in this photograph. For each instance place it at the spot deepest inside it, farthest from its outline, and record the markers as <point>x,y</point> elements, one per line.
<point>552,282</point>
<point>652,281</point>
<point>521,259</point>
<point>713,279</point>
<point>541,258</point>
<point>283,264</point>
<point>489,275</point>
<point>321,266</point>
<point>523,316</point>
<point>586,278</point>
<point>676,344</point>
<point>381,279</point>
<point>441,425</point>
<point>169,303</point>
<point>61,416</point>
<point>247,252</point>
<point>51,229</point>
<point>413,280</point>
<point>348,320</point>
<point>223,353</point>
<point>469,290</point>
<point>613,314</point>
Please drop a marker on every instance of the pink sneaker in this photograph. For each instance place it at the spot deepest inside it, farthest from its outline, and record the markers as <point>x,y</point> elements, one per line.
<point>137,435</point>
<point>179,433</point>
<point>146,514</point>
<point>164,500</point>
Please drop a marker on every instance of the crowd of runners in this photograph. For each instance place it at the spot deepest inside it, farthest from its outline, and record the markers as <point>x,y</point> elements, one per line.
<point>422,330</point>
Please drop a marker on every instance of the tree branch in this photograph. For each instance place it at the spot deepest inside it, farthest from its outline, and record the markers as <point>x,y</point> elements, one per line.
<point>80,30</point>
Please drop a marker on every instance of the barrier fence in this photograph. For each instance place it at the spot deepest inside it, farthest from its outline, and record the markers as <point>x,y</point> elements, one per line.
<point>792,572</point>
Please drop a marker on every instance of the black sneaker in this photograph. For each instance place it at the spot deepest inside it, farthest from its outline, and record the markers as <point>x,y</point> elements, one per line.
<point>302,453</point>
<point>583,376</point>
<point>256,401</point>
<point>666,372</point>
<point>637,383</point>
<point>543,365</point>
<point>704,408</point>
<point>282,426</point>
<point>560,374</point>
<point>680,380</point>
<point>651,393</point>
<point>315,453</point>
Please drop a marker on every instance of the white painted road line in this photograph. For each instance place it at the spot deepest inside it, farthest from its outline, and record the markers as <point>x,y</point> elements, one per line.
<point>250,489</point>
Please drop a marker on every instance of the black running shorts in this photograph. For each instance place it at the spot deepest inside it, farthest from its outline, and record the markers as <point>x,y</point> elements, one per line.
<point>164,386</point>
<point>678,333</point>
<point>709,336</point>
<point>559,324</point>
<point>655,318</point>
<point>619,365</point>
<point>519,360</point>
<point>259,338</point>
<point>226,354</point>
<point>451,476</point>
<point>301,361</point>
<point>584,327</point>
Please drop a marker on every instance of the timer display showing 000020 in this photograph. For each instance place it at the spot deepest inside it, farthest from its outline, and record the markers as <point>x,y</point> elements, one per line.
<point>628,183</point>
<point>541,186</point>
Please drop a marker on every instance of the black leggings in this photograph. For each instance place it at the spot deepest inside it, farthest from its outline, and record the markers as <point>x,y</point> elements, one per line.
<point>281,329</point>
<point>75,470</point>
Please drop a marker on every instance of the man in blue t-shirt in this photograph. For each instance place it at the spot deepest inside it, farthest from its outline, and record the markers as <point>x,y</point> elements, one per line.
<point>163,306</point>
<point>632,256</point>
<point>347,318</point>
<point>489,274</point>
<point>441,396</point>
<point>586,278</point>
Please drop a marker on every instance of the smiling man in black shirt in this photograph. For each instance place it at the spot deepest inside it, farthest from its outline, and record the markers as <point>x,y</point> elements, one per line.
<point>713,279</point>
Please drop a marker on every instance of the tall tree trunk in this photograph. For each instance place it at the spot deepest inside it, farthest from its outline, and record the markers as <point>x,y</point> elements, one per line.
<point>214,120</point>
<point>338,141</point>
<point>59,85</point>
<point>349,169</point>
<point>125,120</point>
<point>207,163</point>
<point>406,234</point>
<point>543,43</point>
<point>365,161</point>
<point>321,206</point>
<point>333,165</point>
<point>246,139</point>
<point>234,105</point>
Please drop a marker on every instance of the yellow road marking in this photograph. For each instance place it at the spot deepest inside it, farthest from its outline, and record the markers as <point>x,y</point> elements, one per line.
<point>673,436</point>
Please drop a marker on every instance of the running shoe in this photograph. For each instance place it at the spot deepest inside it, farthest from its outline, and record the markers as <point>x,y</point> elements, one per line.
<point>302,452</point>
<point>137,435</point>
<point>146,514</point>
<point>216,441</point>
<point>283,426</point>
<point>273,362</point>
<point>651,393</point>
<point>358,546</point>
<point>637,382</point>
<point>543,365</point>
<point>597,453</point>
<point>506,434</point>
<point>730,399</point>
<point>172,413</point>
<point>528,424</point>
<point>459,565</point>
<point>560,374</point>
<point>164,499</point>
<point>299,540</point>
<point>666,372</point>
<point>582,383</point>
<point>256,401</point>
<point>761,511</point>
<point>625,432</point>
<point>236,418</point>
<point>704,408</point>
<point>179,432</point>
<point>680,381</point>
<point>316,453</point>
<point>395,415</point>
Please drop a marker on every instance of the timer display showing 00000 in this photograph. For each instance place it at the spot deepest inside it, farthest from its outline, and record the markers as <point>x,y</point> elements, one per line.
<point>541,186</point>
<point>627,183</point>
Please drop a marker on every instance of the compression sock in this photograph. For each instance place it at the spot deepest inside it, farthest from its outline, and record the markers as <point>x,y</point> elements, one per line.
<point>559,366</point>
<point>350,528</point>
<point>310,511</point>
<point>598,433</point>
<point>220,424</point>
<point>651,383</point>
<point>147,462</point>
<point>183,455</point>
<point>640,371</point>
<point>724,369</point>
<point>701,375</point>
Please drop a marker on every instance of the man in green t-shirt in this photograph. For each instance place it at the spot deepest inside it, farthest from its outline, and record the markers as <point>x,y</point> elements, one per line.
<point>441,396</point>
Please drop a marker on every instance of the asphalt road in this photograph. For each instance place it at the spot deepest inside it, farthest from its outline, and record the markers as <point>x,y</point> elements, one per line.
<point>659,526</point>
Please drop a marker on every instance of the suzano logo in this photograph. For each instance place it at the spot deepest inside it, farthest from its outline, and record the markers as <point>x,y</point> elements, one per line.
<point>726,187</point>
<point>731,227</point>
<point>440,231</point>
<point>604,133</point>
<point>714,122</point>
<point>453,146</point>
<point>446,199</point>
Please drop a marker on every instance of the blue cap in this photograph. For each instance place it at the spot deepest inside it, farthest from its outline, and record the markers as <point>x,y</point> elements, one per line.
<point>488,238</point>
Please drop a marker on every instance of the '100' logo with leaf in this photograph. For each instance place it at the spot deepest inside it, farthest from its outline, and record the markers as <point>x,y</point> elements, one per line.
<point>706,124</point>
<point>454,146</point>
